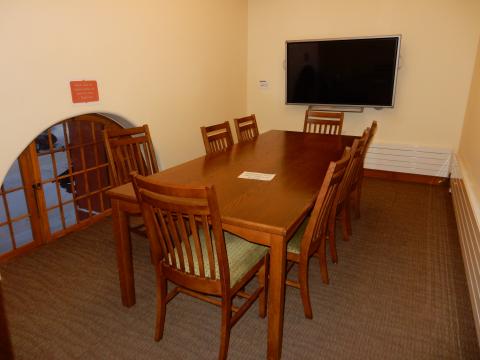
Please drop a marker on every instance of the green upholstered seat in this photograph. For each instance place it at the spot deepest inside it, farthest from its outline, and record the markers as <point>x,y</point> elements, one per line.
<point>242,256</point>
<point>293,245</point>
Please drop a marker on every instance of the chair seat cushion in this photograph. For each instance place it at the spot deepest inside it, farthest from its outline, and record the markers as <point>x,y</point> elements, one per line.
<point>242,256</point>
<point>294,244</point>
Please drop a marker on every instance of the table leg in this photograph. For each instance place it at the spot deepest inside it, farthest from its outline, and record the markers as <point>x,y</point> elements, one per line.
<point>276,296</point>
<point>124,253</point>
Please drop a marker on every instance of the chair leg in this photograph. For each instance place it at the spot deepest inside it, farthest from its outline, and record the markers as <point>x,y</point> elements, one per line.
<point>331,239</point>
<point>161,305</point>
<point>348,218</point>
<point>263,281</point>
<point>304,290</point>
<point>344,219</point>
<point>358,194</point>
<point>225,328</point>
<point>322,258</point>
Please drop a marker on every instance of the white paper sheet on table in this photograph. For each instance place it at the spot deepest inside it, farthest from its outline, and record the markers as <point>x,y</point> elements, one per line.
<point>256,176</point>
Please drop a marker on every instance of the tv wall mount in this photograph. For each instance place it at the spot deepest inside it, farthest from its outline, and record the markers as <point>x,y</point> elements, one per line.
<point>334,108</point>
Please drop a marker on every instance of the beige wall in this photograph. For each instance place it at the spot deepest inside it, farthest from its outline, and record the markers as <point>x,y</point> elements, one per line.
<point>469,149</point>
<point>439,39</point>
<point>174,65</point>
<point>179,64</point>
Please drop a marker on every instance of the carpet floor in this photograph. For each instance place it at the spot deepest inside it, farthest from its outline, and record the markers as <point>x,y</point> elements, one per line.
<point>398,292</point>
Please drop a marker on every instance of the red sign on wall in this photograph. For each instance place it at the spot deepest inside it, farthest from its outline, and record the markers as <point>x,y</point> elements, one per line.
<point>84,91</point>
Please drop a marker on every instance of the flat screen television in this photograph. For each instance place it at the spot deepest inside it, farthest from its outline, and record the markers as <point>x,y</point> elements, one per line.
<point>344,72</point>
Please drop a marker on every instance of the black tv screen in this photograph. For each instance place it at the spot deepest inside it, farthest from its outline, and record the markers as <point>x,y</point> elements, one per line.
<point>347,72</point>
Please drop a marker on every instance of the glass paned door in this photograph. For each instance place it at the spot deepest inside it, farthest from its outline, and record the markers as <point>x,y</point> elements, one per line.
<point>73,172</point>
<point>57,185</point>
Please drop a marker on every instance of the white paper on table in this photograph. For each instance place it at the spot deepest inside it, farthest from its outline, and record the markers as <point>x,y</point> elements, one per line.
<point>256,176</point>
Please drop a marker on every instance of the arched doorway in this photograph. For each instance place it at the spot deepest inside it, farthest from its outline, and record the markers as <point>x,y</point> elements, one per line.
<point>57,185</point>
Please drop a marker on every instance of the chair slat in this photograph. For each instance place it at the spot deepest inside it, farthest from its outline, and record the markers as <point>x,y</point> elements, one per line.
<point>186,241</point>
<point>198,246</point>
<point>142,164</point>
<point>132,158</point>
<point>167,238</point>
<point>176,239</point>
<point>209,246</point>
<point>149,164</point>
<point>160,234</point>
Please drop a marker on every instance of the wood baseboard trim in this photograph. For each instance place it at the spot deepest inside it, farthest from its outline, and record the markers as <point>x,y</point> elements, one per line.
<point>398,176</point>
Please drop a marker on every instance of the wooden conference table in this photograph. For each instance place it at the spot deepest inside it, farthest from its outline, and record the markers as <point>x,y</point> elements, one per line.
<point>264,212</point>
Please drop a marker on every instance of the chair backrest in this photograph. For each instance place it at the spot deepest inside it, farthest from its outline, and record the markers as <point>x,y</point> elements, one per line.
<point>129,150</point>
<point>321,122</point>
<point>246,128</point>
<point>185,232</point>
<point>353,169</point>
<point>217,137</point>
<point>317,225</point>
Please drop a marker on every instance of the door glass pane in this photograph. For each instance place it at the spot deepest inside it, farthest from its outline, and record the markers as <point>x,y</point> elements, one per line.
<point>58,136</point>
<point>22,231</point>
<point>17,204</point>
<point>62,163</point>
<point>13,178</point>
<point>65,190</point>
<point>69,212</point>
<point>93,184</point>
<point>5,240</point>
<point>95,202</point>
<point>46,167</point>
<point>3,215</point>
<point>65,182</point>
<point>54,220</point>
<point>50,191</point>
<point>85,130</point>
<point>41,142</point>
<point>76,157</point>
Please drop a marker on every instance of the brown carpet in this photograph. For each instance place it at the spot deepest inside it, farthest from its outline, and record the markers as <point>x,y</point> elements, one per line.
<point>398,292</point>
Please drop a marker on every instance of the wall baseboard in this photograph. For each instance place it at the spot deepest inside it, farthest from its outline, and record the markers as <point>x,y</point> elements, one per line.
<point>468,222</point>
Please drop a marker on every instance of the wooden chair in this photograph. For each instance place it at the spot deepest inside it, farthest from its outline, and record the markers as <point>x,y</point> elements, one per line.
<point>130,150</point>
<point>191,250</point>
<point>246,128</point>
<point>358,181</point>
<point>217,137</point>
<point>321,122</point>
<point>341,206</point>
<point>310,238</point>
